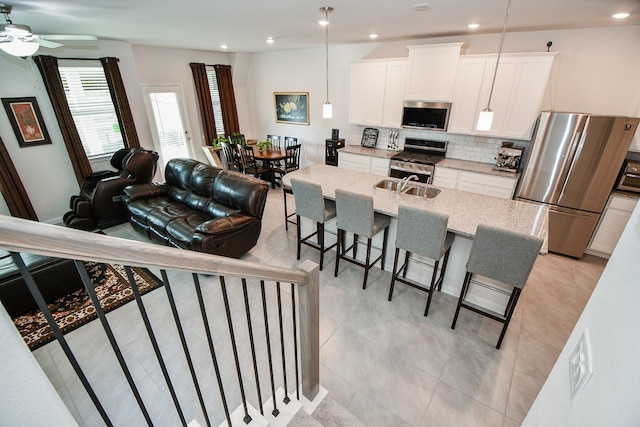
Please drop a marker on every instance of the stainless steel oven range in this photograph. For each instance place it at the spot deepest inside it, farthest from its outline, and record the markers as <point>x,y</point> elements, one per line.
<point>418,158</point>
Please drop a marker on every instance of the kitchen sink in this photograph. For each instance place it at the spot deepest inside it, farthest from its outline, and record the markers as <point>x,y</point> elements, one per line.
<point>428,192</point>
<point>411,190</point>
<point>389,184</point>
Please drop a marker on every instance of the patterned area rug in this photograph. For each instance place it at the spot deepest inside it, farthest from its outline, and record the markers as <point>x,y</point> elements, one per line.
<point>112,288</point>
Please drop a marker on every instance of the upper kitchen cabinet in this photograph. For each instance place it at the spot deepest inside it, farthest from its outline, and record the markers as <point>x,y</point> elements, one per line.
<point>517,95</point>
<point>431,72</point>
<point>376,92</point>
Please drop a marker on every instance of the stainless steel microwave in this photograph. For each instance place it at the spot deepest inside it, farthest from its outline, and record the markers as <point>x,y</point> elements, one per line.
<point>629,179</point>
<point>426,115</point>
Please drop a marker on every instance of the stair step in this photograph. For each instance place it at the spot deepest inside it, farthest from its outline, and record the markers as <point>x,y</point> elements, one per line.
<point>302,419</point>
<point>330,413</point>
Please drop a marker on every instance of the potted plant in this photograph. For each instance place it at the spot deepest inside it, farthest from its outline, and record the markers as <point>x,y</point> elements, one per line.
<point>264,145</point>
<point>216,141</point>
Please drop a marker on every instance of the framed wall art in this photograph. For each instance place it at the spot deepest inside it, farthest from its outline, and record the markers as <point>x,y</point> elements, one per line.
<point>292,107</point>
<point>26,120</point>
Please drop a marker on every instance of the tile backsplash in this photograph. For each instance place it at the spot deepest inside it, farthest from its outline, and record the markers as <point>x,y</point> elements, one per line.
<point>463,147</point>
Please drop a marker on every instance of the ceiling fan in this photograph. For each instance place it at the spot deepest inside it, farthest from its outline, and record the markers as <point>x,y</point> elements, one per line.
<point>19,40</point>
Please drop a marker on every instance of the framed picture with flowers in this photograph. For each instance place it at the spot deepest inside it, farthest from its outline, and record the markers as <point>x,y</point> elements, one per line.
<point>26,120</point>
<point>292,107</point>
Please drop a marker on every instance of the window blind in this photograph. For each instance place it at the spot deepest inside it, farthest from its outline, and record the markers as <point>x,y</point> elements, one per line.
<point>92,109</point>
<point>215,99</point>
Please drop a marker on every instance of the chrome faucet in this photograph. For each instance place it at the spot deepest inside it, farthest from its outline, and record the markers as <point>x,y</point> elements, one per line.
<point>405,181</point>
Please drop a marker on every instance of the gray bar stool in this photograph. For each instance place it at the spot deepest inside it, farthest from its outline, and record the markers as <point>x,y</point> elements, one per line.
<point>311,204</point>
<point>502,255</point>
<point>356,215</point>
<point>424,233</point>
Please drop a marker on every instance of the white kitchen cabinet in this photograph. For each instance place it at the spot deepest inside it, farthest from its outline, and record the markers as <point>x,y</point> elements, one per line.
<point>517,95</point>
<point>431,72</point>
<point>376,92</point>
<point>380,166</point>
<point>364,163</point>
<point>473,182</point>
<point>635,143</point>
<point>612,223</point>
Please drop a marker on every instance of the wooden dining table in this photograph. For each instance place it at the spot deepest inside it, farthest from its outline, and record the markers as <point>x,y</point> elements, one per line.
<point>269,157</point>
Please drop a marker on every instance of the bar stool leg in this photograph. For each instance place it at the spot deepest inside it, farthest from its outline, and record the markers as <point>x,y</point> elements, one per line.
<point>406,264</point>
<point>463,292</point>
<point>286,217</point>
<point>384,247</point>
<point>298,234</point>
<point>393,274</point>
<point>367,266</point>
<point>514,296</point>
<point>320,231</point>
<point>355,246</point>
<point>339,244</point>
<point>444,268</point>
<point>431,288</point>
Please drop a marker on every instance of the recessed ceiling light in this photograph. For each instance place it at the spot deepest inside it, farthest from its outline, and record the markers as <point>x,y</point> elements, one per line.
<point>620,15</point>
<point>270,40</point>
<point>224,46</point>
<point>373,36</point>
<point>473,26</point>
<point>421,7</point>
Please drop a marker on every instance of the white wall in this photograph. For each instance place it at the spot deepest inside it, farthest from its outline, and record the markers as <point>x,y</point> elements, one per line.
<point>611,316</point>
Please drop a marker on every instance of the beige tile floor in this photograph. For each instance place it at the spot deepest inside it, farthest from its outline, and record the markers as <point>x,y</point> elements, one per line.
<point>390,366</point>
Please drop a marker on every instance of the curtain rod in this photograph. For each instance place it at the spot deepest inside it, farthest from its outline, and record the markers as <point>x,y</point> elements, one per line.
<point>87,59</point>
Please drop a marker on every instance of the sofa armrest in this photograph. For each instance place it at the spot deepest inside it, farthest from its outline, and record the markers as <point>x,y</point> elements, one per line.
<point>145,191</point>
<point>225,224</point>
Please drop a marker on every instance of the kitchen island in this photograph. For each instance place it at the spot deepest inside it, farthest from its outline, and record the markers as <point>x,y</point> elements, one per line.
<point>466,210</point>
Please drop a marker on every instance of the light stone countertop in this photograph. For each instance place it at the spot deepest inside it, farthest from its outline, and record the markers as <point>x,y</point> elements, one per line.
<point>365,151</point>
<point>466,165</point>
<point>466,210</point>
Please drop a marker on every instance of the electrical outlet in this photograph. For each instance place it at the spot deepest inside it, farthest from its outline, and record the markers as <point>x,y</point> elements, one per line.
<point>580,365</point>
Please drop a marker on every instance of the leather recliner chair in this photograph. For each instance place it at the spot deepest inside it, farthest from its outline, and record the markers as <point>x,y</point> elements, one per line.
<point>95,206</point>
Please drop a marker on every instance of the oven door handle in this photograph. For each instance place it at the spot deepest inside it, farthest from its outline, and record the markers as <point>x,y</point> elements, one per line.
<point>419,172</point>
<point>632,175</point>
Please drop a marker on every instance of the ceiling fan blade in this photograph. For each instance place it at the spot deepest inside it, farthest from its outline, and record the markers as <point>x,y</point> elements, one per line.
<point>69,37</point>
<point>47,43</point>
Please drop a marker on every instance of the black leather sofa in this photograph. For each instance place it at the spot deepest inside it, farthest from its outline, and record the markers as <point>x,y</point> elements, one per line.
<point>199,207</point>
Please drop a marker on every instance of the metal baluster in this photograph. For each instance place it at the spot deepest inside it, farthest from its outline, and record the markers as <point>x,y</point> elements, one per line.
<point>154,343</point>
<point>234,347</point>
<point>212,350</point>
<point>295,338</point>
<point>42,305</point>
<point>284,362</point>
<point>112,340</point>
<point>183,341</point>
<point>275,411</point>
<point>251,341</point>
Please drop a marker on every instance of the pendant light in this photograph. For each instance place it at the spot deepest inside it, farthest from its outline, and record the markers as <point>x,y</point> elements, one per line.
<point>327,109</point>
<point>486,116</point>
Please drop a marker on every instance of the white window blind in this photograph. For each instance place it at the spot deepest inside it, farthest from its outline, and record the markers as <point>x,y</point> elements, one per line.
<point>92,109</point>
<point>215,99</point>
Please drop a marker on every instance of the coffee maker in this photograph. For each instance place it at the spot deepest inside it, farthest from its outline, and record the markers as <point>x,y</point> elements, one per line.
<point>508,159</point>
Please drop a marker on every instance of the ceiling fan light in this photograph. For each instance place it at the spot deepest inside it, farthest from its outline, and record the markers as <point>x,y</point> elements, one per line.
<point>18,30</point>
<point>20,48</point>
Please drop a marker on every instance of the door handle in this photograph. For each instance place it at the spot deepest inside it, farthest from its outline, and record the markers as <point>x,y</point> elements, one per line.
<point>569,214</point>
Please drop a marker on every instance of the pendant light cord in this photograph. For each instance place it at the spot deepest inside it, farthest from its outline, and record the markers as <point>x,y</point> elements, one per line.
<point>495,72</point>
<point>326,43</point>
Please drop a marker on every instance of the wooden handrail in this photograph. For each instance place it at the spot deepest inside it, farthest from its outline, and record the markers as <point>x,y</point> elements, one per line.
<point>21,235</point>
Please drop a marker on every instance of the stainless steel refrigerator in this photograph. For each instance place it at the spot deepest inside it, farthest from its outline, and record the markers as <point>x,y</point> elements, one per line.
<point>572,166</point>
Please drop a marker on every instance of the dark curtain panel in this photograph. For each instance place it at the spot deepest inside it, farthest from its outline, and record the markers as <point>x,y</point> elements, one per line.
<point>48,66</point>
<point>227,99</point>
<point>120,102</point>
<point>12,189</point>
<point>204,101</point>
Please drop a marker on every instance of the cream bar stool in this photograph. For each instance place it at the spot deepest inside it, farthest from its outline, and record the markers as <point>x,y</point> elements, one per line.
<point>502,255</point>
<point>311,204</point>
<point>424,233</point>
<point>356,215</point>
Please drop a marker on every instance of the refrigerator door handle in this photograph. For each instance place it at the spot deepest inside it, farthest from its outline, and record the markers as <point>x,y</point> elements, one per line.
<point>580,137</point>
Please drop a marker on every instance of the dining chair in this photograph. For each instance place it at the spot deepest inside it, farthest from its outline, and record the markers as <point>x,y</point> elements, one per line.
<point>249,163</point>
<point>355,214</point>
<point>288,141</point>
<point>232,158</point>
<point>238,139</point>
<point>502,255</point>
<point>311,204</point>
<point>274,139</point>
<point>423,233</point>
